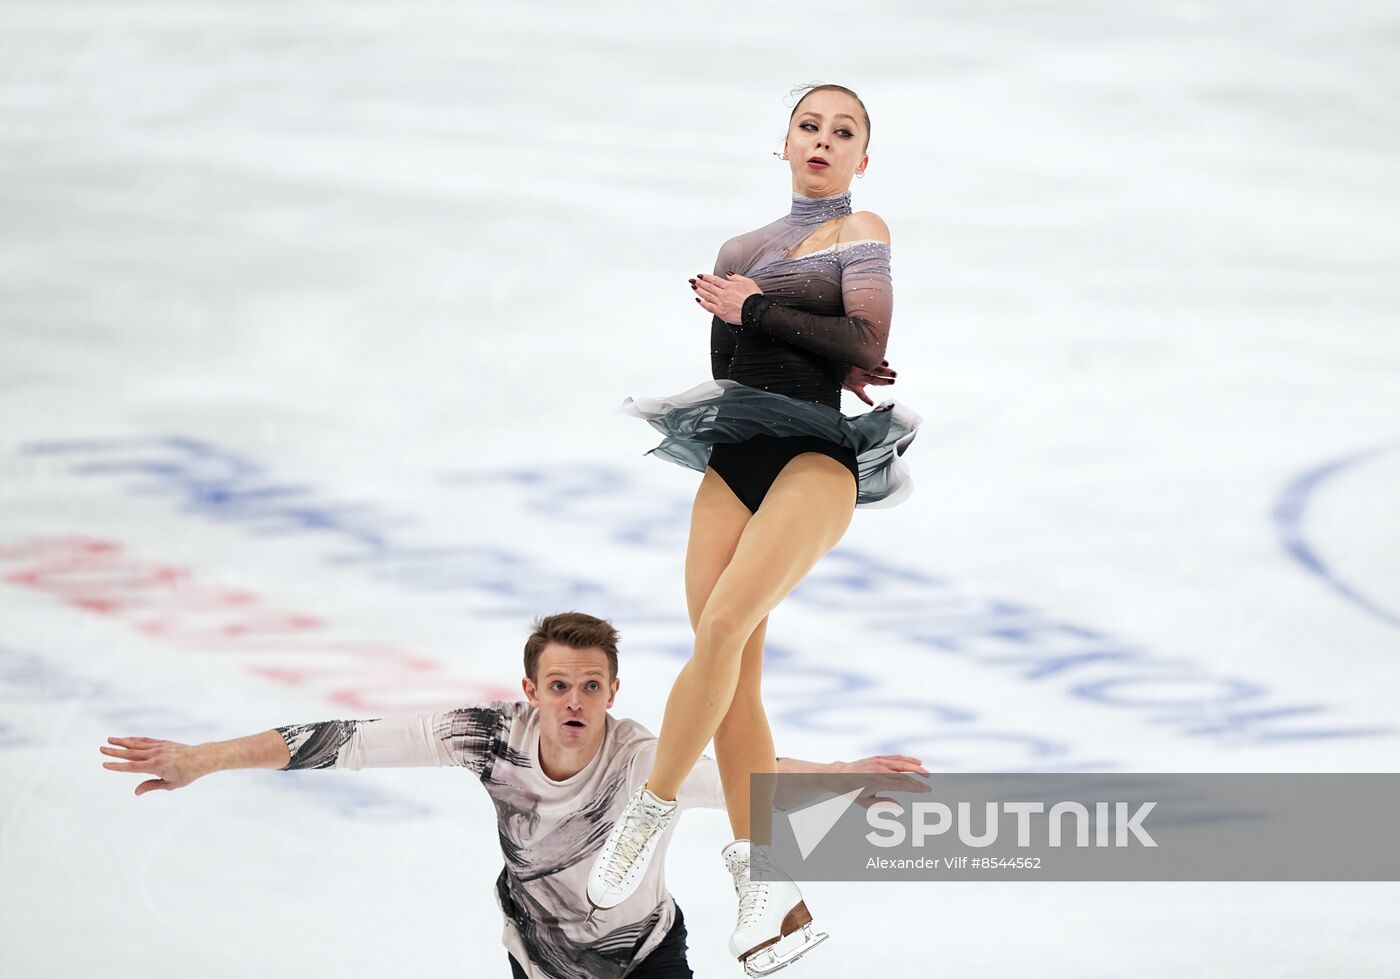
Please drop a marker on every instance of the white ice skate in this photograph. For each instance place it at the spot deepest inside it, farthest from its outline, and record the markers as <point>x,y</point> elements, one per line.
<point>775,928</point>
<point>622,862</point>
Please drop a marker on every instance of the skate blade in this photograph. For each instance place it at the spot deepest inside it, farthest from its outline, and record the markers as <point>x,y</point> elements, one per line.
<point>595,908</point>
<point>784,952</point>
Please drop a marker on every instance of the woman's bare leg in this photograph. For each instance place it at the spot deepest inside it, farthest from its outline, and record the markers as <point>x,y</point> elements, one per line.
<point>744,745</point>
<point>803,516</point>
<point>743,742</point>
<point>717,520</point>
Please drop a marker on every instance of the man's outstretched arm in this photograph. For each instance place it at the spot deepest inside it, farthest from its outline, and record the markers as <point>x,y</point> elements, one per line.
<point>467,736</point>
<point>881,775</point>
<point>176,765</point>
<point>874,764</point>
<point>703,786</point>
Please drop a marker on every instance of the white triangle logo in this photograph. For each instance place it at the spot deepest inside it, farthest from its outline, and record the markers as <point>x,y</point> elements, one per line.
<point>810,825</point>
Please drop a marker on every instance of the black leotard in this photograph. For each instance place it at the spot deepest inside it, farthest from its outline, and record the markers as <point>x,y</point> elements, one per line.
<point>819,313</point>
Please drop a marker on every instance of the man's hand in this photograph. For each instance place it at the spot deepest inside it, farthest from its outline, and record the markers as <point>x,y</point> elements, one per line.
<point>880,764</point>
<point>889,773</point>
<point>880,774</point>
<point>724,296</point>
<point>175,765</point>
<point>858,377</point>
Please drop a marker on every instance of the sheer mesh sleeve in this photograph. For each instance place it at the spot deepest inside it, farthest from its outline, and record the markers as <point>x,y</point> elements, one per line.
<point>721,333</point>
<point>860,336</point>
<point>721,348</point>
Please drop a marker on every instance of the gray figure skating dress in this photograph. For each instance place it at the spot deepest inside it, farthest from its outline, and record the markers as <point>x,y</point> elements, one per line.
<point>778,375</point>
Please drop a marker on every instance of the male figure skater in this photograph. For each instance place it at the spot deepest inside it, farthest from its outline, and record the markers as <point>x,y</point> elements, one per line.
<point>559,769</point>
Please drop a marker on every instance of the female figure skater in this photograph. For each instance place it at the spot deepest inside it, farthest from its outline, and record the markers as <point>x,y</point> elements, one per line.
<point>800,306</point>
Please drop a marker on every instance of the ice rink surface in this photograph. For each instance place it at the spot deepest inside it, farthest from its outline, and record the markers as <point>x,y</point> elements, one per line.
<point>313,323</point>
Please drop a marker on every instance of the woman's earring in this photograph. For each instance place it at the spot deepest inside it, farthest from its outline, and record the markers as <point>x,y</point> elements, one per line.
<point>861,174</point>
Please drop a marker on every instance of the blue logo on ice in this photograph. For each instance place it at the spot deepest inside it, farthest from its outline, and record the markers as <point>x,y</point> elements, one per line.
<point>810,825</point>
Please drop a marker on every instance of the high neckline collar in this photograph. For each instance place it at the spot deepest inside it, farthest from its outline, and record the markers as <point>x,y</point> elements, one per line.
<point>815,210</point>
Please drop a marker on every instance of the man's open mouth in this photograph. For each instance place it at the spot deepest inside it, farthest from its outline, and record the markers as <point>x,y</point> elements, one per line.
<point>574,724</point>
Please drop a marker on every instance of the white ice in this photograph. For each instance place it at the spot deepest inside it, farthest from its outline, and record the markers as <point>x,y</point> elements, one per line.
<point>401,255</point>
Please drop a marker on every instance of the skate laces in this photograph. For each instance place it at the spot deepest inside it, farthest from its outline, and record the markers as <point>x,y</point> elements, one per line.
<point>753,894</point>
<point>753,897</point>
<point>640,821</point>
